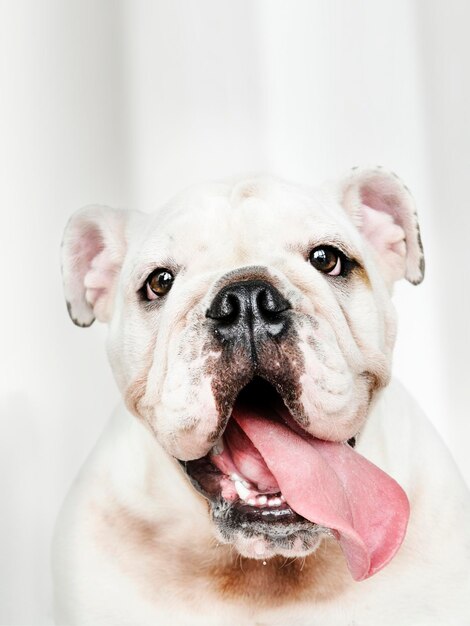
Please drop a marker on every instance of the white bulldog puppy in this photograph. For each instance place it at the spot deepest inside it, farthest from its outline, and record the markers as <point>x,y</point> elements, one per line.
<point>262,468</point>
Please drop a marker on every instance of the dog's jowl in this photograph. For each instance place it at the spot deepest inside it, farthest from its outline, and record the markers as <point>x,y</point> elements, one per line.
<point>262,468</point>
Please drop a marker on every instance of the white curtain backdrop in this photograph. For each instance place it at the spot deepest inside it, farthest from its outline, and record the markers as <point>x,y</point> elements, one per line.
<point>124,102</point>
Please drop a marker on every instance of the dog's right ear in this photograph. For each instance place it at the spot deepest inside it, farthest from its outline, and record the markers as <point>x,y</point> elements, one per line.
<point>93,249</point>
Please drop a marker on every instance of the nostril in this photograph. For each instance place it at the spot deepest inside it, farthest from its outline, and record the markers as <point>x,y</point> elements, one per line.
<point>229,309</point>
<point>225,309</point>
<point>265,302</point>
<point>270,304</point>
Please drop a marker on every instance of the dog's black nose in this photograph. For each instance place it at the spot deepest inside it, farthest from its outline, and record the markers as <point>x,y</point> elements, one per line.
<point>249,310</point>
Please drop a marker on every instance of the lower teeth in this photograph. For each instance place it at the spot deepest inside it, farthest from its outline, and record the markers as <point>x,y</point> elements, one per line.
<point>245,491</point>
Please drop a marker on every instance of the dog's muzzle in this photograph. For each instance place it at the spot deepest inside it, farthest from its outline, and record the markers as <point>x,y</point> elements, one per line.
<point>273,487</point>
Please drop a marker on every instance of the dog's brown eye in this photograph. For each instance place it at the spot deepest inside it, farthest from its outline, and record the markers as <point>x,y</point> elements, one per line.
<point>159,283</point>
<point>327,259</point>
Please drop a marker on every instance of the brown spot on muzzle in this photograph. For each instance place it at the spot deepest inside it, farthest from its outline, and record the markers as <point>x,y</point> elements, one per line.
<point>281,363</point>
<point>230,372</point>
<point>278,361</point>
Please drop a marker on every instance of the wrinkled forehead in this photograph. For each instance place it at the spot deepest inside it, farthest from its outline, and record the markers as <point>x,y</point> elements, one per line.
<point>249,222</point>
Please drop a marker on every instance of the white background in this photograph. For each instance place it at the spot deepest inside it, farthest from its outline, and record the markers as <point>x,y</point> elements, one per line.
<point>126,102</point>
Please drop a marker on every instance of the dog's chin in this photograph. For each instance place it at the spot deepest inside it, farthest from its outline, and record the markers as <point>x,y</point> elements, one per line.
<point>264,534</point>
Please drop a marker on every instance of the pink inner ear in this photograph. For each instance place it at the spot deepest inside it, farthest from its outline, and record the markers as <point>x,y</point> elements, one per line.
<point>93,249</point>
<point>98,281</point>
<point>383,210</point>
<point>99,277</point>
<point>387,238</point>
<point>94,270</point>
<point>381,199</point>
<point>84,250</point>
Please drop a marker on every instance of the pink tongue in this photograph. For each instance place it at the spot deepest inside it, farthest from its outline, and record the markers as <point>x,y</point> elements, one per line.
<point>248,460</point>
<point>332,485</point>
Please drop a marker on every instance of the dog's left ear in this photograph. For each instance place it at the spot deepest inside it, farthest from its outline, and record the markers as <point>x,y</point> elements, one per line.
<point>383,210</point>
<point>93,249</point>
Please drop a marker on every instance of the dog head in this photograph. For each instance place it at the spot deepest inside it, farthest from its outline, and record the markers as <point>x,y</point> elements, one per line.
<point>256,296</point>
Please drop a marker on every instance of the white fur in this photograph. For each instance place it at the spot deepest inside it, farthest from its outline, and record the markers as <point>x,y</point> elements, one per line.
<point>131,485</point>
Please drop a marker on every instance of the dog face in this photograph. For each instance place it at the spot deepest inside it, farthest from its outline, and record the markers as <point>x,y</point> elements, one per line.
<point>257,294</point>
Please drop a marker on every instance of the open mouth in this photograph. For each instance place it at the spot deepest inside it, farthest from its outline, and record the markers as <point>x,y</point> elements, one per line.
<point>234,469</point>
<point>273,479</point>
